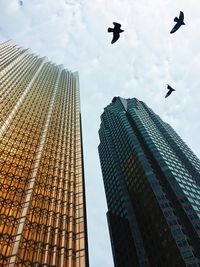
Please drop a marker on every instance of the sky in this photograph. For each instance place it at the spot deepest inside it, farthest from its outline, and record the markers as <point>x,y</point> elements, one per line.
<point>145,59</point>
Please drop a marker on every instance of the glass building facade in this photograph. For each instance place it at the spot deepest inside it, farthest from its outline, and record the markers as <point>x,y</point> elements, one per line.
<point>42,195</point>
<point>152,185</point>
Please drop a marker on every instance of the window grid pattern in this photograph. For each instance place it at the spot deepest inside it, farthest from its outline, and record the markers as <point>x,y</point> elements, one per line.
<point>161,175</point>
<point>42,210</point>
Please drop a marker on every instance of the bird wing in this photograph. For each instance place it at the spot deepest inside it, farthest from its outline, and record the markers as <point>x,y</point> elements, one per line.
<point>170,88</point>
<point>176,27</point>
<point>115,37</point>
<point>167,94</point>
<point>181,16</point>
<point>117,25</point>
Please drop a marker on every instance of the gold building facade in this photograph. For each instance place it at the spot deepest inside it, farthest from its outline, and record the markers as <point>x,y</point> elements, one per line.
<point>42,195</point>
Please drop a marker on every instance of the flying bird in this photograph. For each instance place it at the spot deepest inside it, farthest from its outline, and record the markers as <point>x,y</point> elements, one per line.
<point>179,22</point>
<point>116,32</point>
<point>170,90</point>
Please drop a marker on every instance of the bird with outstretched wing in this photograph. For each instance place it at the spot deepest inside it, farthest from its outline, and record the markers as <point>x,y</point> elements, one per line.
<point>179,22</point>
<point>116,32</point>
<point>170,90</point>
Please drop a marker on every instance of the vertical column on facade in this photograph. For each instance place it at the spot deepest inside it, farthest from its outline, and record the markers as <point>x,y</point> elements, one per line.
<point>81,256</point>
<point>71,178</point>
<point>16,72</point>
<point>70,206</point>
<point>9,53</point>
<point>33,177</point>
<point>61,220</point>
<point>60,174</point>
<point>63,174</point>
<point>5,69</point>
<point>19,102</point>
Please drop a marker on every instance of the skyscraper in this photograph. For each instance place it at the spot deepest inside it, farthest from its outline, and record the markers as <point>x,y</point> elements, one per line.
<point>152,184</point>
<point>42,194</point>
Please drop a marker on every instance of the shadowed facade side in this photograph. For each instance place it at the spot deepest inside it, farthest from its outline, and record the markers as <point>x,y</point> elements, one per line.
<point>152,185</point>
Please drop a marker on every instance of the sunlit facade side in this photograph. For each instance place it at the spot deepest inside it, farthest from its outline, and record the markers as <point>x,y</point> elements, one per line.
<point>42,194</point>
<point>152,185</point>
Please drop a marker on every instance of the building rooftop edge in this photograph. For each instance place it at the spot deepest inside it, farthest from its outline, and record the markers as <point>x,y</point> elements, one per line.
<point>42,57</point>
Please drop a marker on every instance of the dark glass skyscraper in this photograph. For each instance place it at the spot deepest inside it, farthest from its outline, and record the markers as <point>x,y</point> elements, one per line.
<point>152,184</point>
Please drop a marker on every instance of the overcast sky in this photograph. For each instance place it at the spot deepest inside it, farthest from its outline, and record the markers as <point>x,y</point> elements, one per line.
<point>140,64</point>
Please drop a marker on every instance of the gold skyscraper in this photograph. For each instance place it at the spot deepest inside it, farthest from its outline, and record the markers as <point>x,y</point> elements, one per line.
<point>42,197</point>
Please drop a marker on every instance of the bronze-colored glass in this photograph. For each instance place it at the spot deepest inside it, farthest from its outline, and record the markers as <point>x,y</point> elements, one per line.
<point>42,201</point>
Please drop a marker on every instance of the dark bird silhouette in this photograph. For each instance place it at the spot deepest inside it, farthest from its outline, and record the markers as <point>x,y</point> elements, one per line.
<point>179,22</point>
<point>116,32</point>
<point>21,2</point>
<point>170,90</point>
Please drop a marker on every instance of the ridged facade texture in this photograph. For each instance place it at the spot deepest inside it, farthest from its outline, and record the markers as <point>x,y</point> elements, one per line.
<point>42,198</point>
<point>152,184</point>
